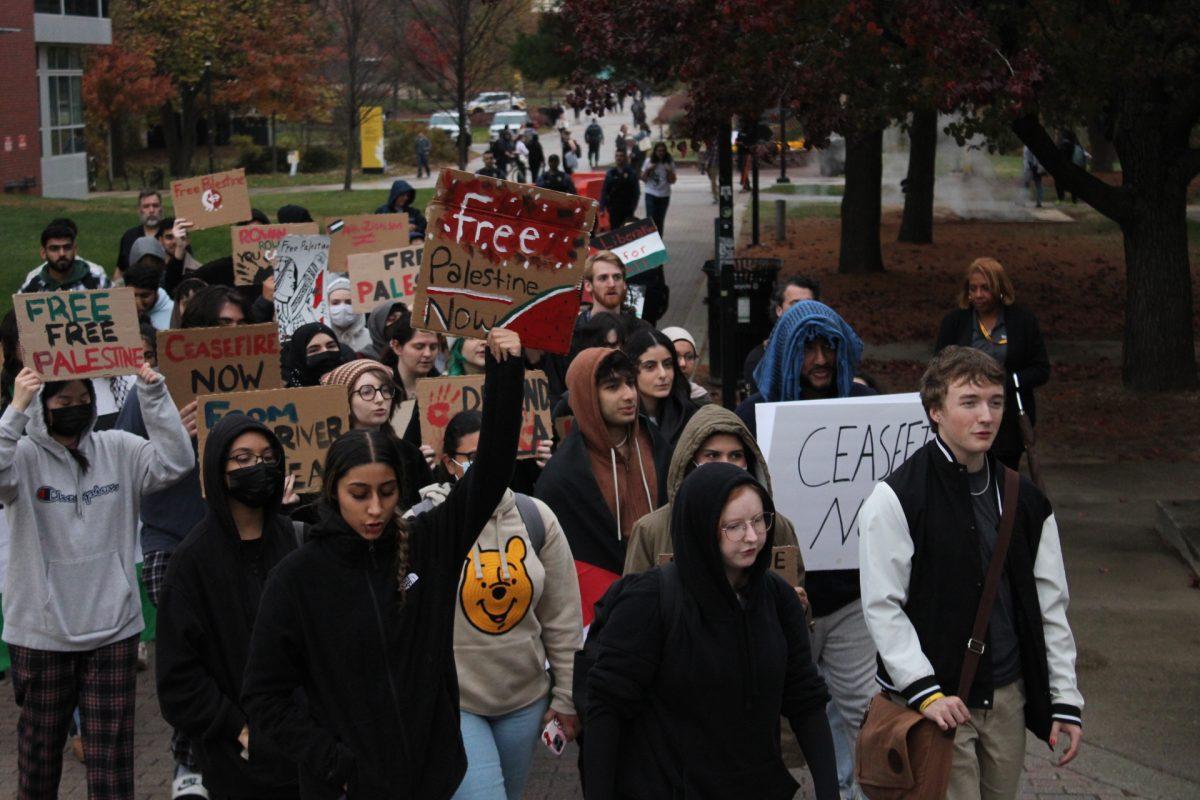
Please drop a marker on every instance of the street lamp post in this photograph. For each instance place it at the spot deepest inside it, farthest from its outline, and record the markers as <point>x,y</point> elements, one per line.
<point>783,143</point>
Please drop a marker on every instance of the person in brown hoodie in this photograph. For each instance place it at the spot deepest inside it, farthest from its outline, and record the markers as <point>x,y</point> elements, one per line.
<point>608,473</point>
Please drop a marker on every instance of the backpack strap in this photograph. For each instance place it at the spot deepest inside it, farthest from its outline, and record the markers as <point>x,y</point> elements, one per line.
<point>531,518</point>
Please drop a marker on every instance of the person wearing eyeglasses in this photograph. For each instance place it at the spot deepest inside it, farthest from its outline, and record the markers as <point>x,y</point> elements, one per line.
<point>208,606</point>
<point>373,395</point>
<point>689,359</point>
<point>697,660</point>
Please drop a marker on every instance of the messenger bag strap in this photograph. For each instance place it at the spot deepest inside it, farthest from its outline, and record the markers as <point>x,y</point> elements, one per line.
<point>977,644</point>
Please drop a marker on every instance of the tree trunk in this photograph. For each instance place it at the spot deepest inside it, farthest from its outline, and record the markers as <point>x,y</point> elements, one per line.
<point>170,126</point>
<point>916,225</point>
<point>116,148</point>
<point>273,154</point>
<point>351,129</point>
<point>1100,146</point>
<point>861,210</point>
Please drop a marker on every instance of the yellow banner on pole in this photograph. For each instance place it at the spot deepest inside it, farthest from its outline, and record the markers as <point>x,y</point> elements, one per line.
<point>371,139</point>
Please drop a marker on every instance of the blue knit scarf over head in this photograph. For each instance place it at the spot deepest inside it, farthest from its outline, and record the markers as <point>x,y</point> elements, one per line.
<point>778,374</point>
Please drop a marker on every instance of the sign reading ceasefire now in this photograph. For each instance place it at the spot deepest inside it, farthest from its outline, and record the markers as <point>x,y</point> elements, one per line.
<point>236,358</point>
<point>79,334</point>
<point>503,254</point>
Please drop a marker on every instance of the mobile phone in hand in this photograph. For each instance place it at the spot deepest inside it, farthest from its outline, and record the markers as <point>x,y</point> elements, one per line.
<point>554,737</point>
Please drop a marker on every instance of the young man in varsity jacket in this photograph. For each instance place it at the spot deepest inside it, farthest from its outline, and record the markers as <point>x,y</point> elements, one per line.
<point>927,535</point>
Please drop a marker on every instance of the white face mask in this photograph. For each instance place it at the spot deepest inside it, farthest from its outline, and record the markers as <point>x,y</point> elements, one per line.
<point>342,315</point>
<point>463,465</point>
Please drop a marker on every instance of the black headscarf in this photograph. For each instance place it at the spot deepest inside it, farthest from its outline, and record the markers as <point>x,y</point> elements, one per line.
<point>695,517</point>
<point>296,369</point>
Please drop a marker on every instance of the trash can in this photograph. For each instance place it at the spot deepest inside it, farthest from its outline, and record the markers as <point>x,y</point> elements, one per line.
<point>739,315</point>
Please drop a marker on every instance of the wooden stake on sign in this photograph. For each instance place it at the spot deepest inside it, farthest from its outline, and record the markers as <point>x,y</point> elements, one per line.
<point>306,420</point>
<point>503,254</point>
<point>79,333</point>
<point>210,201</point>
<point>221,360</point>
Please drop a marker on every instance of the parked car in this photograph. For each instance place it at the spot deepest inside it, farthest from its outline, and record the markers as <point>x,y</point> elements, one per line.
<point>444,121</point>
<point>496,101</point>
<point>513,120</point>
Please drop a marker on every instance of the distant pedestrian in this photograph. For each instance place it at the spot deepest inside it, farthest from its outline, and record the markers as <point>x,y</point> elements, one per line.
<point>423,148</point>
<point>1033,173</point>
<point>537,156</point>
<point>594,136</point>
<point>659,176</point>
<point>555,179</point>
<point>620,193</point>
<point>489,168</point>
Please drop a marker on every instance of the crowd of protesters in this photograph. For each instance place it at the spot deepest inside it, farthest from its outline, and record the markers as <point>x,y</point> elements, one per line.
<point>418,626</point>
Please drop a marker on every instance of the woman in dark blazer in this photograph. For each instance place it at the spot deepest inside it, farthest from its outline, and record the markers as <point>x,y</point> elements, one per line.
<point>990,321</point>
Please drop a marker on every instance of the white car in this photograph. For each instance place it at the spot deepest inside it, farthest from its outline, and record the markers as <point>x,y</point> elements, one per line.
<point>513,120</point>
<point>444,121</point>
<point>496,101</point>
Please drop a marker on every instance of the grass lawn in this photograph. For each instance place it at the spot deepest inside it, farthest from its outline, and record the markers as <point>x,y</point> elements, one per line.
<point>101,222</point>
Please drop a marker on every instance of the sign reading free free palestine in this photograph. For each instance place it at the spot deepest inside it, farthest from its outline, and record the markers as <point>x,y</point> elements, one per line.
<point>638,245</point>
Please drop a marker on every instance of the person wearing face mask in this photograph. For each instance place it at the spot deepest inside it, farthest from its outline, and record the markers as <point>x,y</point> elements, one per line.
<point>695,662</point>
<point>372,396</point>
<point>208,607</point>
<point>312,351</point>
<point>361,617</point>
<point>350,326</point>
<point>72,610</point>
<point>518,609</point>
<point>663,392</point>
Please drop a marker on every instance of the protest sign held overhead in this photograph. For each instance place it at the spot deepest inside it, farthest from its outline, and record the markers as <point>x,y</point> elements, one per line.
<point>390,275</point>
<point>503,254</point>
<point>306,421</point>
<point>637,244</point>
<point>236,358</point>
<point>210,201</point>
<point>300,279</point>
<point>439,399</point>
<point>364,233</point>
<point>826,456</point>
<point>254,246</point>
<point>79,333</point>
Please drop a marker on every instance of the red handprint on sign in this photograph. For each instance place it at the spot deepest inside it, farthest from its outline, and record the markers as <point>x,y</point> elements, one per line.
<point>438,412</point>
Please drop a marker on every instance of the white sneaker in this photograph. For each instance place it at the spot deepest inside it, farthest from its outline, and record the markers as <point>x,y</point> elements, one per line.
<point>188,784</point>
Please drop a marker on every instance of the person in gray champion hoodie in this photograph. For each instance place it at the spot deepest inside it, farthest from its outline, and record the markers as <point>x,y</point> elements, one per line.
<point>72,611</point>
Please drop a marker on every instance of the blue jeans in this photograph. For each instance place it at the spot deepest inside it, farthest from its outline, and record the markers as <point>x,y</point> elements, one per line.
<point>499,750</point>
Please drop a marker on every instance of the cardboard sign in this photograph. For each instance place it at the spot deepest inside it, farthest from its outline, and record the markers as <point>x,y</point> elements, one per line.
<point>300,279</point>
<point>364,233</point>
<point>390,275</point>
<point>638,245</point>
<point>210,201</point>
<point>826,457</point>
<point>439,399</point>
<point>306,420</point>
<point>254,246</point>
<point>506,254</point>
<point>80,333</point>
<point>785,562</point>
<point>237,358</point>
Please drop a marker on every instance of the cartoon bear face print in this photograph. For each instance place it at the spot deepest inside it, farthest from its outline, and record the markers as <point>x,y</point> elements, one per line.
<point>492,604</point>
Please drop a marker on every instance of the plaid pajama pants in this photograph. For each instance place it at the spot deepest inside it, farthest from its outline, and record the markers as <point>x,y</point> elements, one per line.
<point>154,575</point>
<point>48,687</point>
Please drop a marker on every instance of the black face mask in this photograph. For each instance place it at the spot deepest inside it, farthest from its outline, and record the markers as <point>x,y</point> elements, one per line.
<point>70,420</point>
<point>321,363</point>
<point>254,486</point>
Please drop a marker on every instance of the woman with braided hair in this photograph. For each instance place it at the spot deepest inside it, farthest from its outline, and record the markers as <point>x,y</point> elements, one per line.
<point>361,617</point>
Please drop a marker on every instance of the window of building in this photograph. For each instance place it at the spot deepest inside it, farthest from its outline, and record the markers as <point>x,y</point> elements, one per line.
<point>76,8</point>
<point>64,100</point>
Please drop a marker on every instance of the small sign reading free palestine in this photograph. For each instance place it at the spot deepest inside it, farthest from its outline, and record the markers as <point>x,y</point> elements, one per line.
<point>210,201</point>
<point>80,333</point>
<point>503,254</point>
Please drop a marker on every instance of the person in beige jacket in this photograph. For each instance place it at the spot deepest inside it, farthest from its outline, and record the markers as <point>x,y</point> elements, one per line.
<point>713,434</point>
<point>518,608</point>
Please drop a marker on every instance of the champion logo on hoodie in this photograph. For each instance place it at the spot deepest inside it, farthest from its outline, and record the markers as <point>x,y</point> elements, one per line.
<point>48,494</point>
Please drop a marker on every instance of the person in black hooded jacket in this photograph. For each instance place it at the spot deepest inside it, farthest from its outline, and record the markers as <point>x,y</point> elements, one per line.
<point>690,706</point>
<point>361,617</point>
<point>400,201</point>
<point>208,606</point>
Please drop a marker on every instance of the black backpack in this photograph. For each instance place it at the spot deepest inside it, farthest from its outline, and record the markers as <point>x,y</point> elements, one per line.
<point>670,609</point>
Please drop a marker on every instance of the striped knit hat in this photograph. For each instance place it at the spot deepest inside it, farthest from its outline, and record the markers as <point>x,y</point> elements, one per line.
<point>348,374</point>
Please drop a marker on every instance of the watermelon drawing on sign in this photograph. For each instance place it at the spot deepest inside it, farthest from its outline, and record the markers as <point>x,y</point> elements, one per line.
<point>552,322</point>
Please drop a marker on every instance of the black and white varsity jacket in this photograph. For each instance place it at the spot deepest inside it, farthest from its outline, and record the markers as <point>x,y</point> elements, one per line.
<point>922,575</point>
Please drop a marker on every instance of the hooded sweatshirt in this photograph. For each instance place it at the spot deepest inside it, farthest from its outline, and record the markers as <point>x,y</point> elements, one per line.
<point>651,535</point>
<point>517,608</point>
<point>71,581</point>
<point>160,313</point>
<point>377,328</point>
<point>597,493</point>
<point>398,202</point>
<point>355,336</point>
<point>685,702</point>
<point>378,676</point>
<point>206,613</point>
